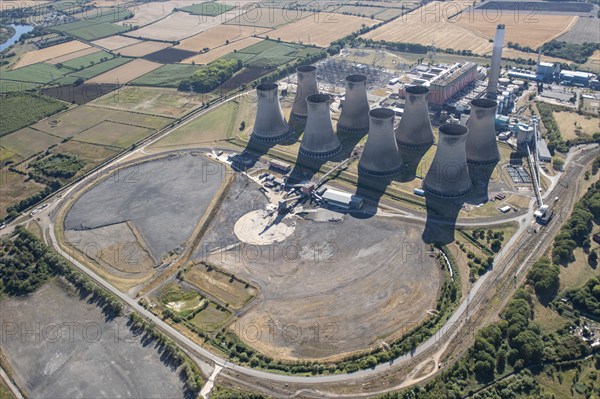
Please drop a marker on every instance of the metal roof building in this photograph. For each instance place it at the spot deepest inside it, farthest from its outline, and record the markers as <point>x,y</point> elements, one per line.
<point>342,199</point>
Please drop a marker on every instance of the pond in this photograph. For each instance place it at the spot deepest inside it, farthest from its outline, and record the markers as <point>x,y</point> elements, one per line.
<point>19,31</point>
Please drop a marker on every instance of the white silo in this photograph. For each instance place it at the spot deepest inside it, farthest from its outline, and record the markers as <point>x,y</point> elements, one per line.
<point>524,135</point>
<point>355,112</point>
<point>306,86</point>
<point>269,124</point>
<point>380,156</point>
<point>319,139</point>
<point>481,147</point>
<point>448,175</point>
<point>414,129</point>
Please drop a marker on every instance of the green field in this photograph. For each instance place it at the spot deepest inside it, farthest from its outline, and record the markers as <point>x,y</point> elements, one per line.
<point>114,134</point>
<point>10,86</point>
<point>211,318</point>
<point>95,69</point>
<point>167,75</point>
<point>37,73</point>
<point>210,9</point>
<point>88,60</point>
<point>98,24</point>
<point>27,142</point>
<point>12,110</point>
<point>269,53</point>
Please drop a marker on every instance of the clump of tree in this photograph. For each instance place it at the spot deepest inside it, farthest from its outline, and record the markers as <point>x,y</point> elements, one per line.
<point>555,140</point>
<point>544,277</point>
<point>211,77</point>
<point>60,165</point>
<point>587,298</point>
<point>578,53</point>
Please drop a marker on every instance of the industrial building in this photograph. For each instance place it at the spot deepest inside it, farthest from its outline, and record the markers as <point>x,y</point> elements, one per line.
<point>576,78</point>
<point>342,199</point>
<point>269,124</point>
<point>319,139</point>
<point>380,156</point>
<point>355,111</point>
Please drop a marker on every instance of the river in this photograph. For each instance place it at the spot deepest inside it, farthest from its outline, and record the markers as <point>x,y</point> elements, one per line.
<point>19,31</point>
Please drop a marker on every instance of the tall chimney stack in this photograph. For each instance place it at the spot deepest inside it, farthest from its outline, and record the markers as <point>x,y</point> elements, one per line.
<point>306,86</point>
<point>482,148</point>
<point>269,124</point>
<point>494,73</point>
<point>355,112</point>
<point>319,139</point>
<point>380,156</point>
<point>414,129</point>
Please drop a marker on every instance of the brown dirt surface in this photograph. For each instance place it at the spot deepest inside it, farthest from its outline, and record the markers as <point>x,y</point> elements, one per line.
<point>126,73</point>
<point>115,42</point>
<point>72,56</point>
<point>59,50</point>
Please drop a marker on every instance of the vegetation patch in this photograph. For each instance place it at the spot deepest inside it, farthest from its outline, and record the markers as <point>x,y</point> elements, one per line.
<point>184,303</point>
<point>13,117</point>
<point>63,166</point>
<point>211,77</point>
<point>169,75</point>
<point>97,26</point>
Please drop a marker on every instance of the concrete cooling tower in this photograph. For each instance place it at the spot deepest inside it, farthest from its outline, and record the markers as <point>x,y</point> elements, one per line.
<point>269,125</point>
<point>414,129</point>
<point>355,112</point>
<point>319,139</point>
<point>482,148</point>
<point>448,175</point>
<point>380,156</point>
<point>306,86</point>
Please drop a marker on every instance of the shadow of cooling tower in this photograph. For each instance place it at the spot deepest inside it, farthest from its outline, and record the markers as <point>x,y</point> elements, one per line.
<point>481,176</point>
<point>442,214</point>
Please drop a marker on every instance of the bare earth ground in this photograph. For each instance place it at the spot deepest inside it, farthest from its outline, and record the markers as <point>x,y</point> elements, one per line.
<point>35,56</point>
<point>115,42</point>
<point>126,73</point>
<point>78,353</point>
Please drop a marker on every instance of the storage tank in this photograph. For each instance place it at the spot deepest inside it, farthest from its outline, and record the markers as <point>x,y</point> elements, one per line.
<point>319,139</point>
<point>414,129</point>
<point>306,86</point>
<point>269,124</point>
<point>504,81</point>
<point>355,112</point>
<point>448,175</point>
<point>524,134</point>
<point>481,147</point>
<point>380,156</point>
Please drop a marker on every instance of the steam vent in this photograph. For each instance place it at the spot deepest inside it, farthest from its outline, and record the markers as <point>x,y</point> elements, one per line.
<point>414,129</point>
<point>380,156</point>
<point>270,124</point>
<point>482,148</point>
<point>355,112</point>
<point>307,86</point>
<point>448,175</point>
<point>319,139</point>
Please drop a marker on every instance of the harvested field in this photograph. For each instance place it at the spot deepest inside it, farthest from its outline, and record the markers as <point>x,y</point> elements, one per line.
<point>27,142</point>
<point>219,52</point>
<point>113,134</point>
<point>585,30</point>
<point>151,100</point>
<point>320,31</point>
<point>69,366</point>
<point>211,9</point>
<point>593,62</point>
<point>126,73</point>
<point>536,7</point>
<point>176,26</point>
<point>115,42</point>
<point>574,126</point>
<point>146,13</point>
<point>79,94</point>
<point>164,199</point>
<point>234,292</point>
<point>167,75</point>
<point>268,17</point>
<point>362,11</point>
<point>216,37</point>
<point>48,53</point>
<point>76,120</point>
<point>94,70</point>
<point>14,188</point>
<point>143,48</point>
<point>72,56</point>
<point>169,55</point>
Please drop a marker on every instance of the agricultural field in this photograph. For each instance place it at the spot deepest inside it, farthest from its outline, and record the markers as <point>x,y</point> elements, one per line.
<point>35,73</point>
<point>269,53</point>
<point>593,62</point>
<point>97,26</point>
<point>126,73</point>
<point>14,188</point>
<point>27,142</point>
<point>585,30</point>
<point>115,42</point>
<point>113,134</point>
<point>87,60</point>
<point>573,126</point>
<point>320,31</point>
<point>13,117</point>
<point>48,53</point>
<point>167,75</point>
<point>221,51</point>
<point>72,56</point>
<point>16,4</point>
<point>217,36</point>
<point>71,123</point>
<point>175,27</point>
<point>80,94</point>
<point>94,70</point>
<point>169,55</point>
<point>211,9</point>
<point>152,100</point>
<point>9,86</point>
<point>366,11</point>
<point>143,48</point>
<point>91,154</point>
<point>224,287</point>
<point>144,13</point>
<point>267,17</point>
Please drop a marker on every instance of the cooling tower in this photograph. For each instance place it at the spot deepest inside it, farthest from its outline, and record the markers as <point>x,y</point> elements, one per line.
<point>448,175</point>
<point>494,73</point>
<point>355,112</point>
<point>269,125</point>
<point>306,86</point>
<point>414,129</point>
<point>482,148</point>
<point>380,156</point>
<point>319,139</point>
